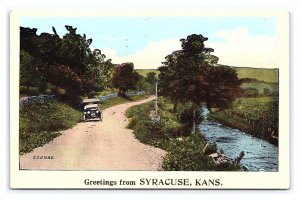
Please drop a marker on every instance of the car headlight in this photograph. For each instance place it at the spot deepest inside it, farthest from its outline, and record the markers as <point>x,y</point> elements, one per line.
<point>97,111</point>
<point>88,112</point>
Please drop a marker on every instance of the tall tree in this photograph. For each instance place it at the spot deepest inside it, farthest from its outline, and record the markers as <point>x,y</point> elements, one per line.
<point>192,74</point>
<point>124,78</point>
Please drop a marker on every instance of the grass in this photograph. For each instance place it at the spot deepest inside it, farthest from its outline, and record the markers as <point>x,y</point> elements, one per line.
<point>257,116</point>
<point>41,123</point>
<point>184,151</point>
<point>267,75</point>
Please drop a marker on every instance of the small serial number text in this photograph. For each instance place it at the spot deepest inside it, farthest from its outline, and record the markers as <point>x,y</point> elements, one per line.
<point>43,157</point>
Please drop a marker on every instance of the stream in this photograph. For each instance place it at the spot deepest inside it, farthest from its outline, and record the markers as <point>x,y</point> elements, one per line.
<point>260,155</point>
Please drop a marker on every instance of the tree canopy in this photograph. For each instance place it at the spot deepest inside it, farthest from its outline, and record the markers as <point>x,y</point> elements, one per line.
<point>125,78</point>
<point>67,62</point>
<point>193,75</point>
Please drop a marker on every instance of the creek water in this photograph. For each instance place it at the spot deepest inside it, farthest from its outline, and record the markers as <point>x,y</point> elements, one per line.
<point>260,155</point>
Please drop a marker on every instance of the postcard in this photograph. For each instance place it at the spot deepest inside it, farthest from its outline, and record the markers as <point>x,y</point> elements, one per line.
<point>153,100</point>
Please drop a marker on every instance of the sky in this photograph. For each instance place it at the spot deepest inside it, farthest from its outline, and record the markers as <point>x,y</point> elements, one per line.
<point>145,41</point>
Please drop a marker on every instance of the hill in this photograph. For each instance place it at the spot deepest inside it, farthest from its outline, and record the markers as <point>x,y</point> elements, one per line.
<point>266,75</point>
<point>144,72</point>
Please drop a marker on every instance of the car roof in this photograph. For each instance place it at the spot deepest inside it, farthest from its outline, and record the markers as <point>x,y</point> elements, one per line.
<point>91,106</point>
<point>91,100</point>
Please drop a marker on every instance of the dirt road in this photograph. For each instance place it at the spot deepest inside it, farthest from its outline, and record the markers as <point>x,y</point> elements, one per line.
<point>95,145</point>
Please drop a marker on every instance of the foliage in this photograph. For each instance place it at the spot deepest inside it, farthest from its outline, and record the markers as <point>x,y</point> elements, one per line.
<point>192,75</point>
<point>149,132</point>
<point>67,63</point>
<point>187,155</point>
<point>31,78</point>
<point>125,78</point>
<point>50,115</point>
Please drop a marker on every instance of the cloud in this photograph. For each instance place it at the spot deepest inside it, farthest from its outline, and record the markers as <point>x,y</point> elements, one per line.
<point>148,58</point>
<point>235,48</point>
<point>238,48</point>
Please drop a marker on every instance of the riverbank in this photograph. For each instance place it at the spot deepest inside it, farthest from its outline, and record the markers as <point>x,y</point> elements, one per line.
<point>256,116</point>
<point>185,152</point>
<point>41,122</point>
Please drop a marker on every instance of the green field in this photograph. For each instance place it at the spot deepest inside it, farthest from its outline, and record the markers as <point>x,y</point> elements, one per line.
<point>266,75</point>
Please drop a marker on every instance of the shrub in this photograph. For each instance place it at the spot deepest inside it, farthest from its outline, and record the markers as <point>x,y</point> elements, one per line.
<point>187,155</point>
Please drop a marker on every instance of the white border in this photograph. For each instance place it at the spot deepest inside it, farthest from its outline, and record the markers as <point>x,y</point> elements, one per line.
<point>74,179</point>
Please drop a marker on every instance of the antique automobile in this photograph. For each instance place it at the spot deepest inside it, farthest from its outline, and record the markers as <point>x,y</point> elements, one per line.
<point>91,109</point>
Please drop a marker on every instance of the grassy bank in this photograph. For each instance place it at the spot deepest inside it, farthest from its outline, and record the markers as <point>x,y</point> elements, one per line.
<point>184,151</point>
<point>257,116</point>
<point>40,123</point>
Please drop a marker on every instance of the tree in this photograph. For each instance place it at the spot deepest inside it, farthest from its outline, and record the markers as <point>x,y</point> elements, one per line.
<point>223,87</point>
<point>124,78</point>
<point>151,79</point>
<point>192,75</point>
<point>68,62</point>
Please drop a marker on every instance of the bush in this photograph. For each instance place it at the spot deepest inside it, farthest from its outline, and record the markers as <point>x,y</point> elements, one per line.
<point>187,155</point>
<point>154,133</point>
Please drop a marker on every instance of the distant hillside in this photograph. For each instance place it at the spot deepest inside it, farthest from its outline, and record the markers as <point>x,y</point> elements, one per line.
<point>267,75</point>
<point>144,72</point>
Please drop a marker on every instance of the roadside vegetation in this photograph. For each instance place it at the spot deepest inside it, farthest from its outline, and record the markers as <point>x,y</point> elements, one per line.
<point>172,133</point>
<point>41,123</point>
